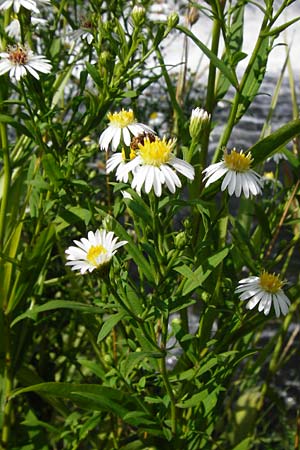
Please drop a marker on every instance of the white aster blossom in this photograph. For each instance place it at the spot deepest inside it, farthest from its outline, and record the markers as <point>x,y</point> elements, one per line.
<point>264,290</point>
<point>94,251</point>
<point>122,125</point>
<point>117,162</point>
<point>155,165</point>
<point>14,29</point>
<point>19,61</point>
<point>239,177</point>
<point>277,157</point>
<point>85,31</point>
<point>31,5</point>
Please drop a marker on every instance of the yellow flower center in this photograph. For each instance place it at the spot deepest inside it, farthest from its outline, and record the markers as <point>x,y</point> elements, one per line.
<point>121,119</point>
<point>238,161</point>
<point>18,55</point>
<point>270,282</point>
<point>157,152</point>
<point>94,252</point>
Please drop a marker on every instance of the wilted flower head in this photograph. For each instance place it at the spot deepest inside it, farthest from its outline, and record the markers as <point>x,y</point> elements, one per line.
<point>239,177</point>
<point>19,60</point>
<point>156,165</point>
<point>121,125</point>
<point>93,252</point>
<point>264,290</point>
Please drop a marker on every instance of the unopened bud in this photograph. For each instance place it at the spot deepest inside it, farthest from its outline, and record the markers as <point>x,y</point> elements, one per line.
<point>138,15</point>
<point>199,121</point>
<point>180,240</point>
<point>173,20</point>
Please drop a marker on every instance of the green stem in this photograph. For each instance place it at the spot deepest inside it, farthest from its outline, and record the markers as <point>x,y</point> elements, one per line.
<point>237,98</point>
<point>8,385</point>
<point>210,96</point>
<point>6,181</point>
<point>165,377</point>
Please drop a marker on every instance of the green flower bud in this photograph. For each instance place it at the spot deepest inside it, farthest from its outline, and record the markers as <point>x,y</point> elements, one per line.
<point>180,240</point>
<point>173,20</point>
<point>138,16</point>
<point>199,121</point>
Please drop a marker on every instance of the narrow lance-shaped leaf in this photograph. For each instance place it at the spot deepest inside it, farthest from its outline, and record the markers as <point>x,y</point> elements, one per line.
<point>272,143</point>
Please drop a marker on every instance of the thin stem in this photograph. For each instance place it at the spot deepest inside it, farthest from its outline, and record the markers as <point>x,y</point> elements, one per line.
<point>8,383</point>
<point>164,374</point>
<point>6,181</point>
<point>236,101</point>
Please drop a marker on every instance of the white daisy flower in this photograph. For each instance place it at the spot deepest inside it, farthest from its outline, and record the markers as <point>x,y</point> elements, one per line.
<point>154,166</point>
<point>85,31</point>
<point>277,157</point>
<point>121,125</point>
<point>19,60</point>
<point>118,161</point>
<point>14,29</point>
<point>264,290</point>
<point>31,5</point>
<point>238,175</point>
<point>93,252</point>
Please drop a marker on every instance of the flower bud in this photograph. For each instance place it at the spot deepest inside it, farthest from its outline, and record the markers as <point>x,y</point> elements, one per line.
<point>199,121</point>
<point>180,240</point>
<point>138,16</point>
<point>173,20</point>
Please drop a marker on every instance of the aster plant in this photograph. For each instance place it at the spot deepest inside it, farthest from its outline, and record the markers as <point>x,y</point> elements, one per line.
<point>148,291</point>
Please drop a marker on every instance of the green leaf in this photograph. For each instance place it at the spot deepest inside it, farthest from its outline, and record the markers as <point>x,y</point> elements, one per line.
<point>134,358</point>
<point>109,324</point>
<point>196,278</point>
<point>92,70</point>
<point>33,263</point>
<point>58,304</point>
<point>92,397</point>
<point>15,124</point>
<point>245,444</point>
<point>52,170</point>
<point>132,248</point>
<point>233,45</point>
<point>226,71</point>
<point>254,78</point>
<point>203,398</point>
<point>272,143</point>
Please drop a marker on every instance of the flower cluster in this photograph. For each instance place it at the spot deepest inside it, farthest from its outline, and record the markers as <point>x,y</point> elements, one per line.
<point>150,160</point>
<point>19,60</point>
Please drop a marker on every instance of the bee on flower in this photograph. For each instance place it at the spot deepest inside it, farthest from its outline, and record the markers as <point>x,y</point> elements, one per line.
<point>121,126</point>
<point>93,252</point>
<point>155,165</point>
<point>265,290</point>
<point>239,177</point>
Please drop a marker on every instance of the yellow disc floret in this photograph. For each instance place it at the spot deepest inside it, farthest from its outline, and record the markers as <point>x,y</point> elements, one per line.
<point>132,154</point>
<point>270,282</point>
<point>240,162</point>
<point>94,252</point>
<point>157,152</point>
<point>121,119</point>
